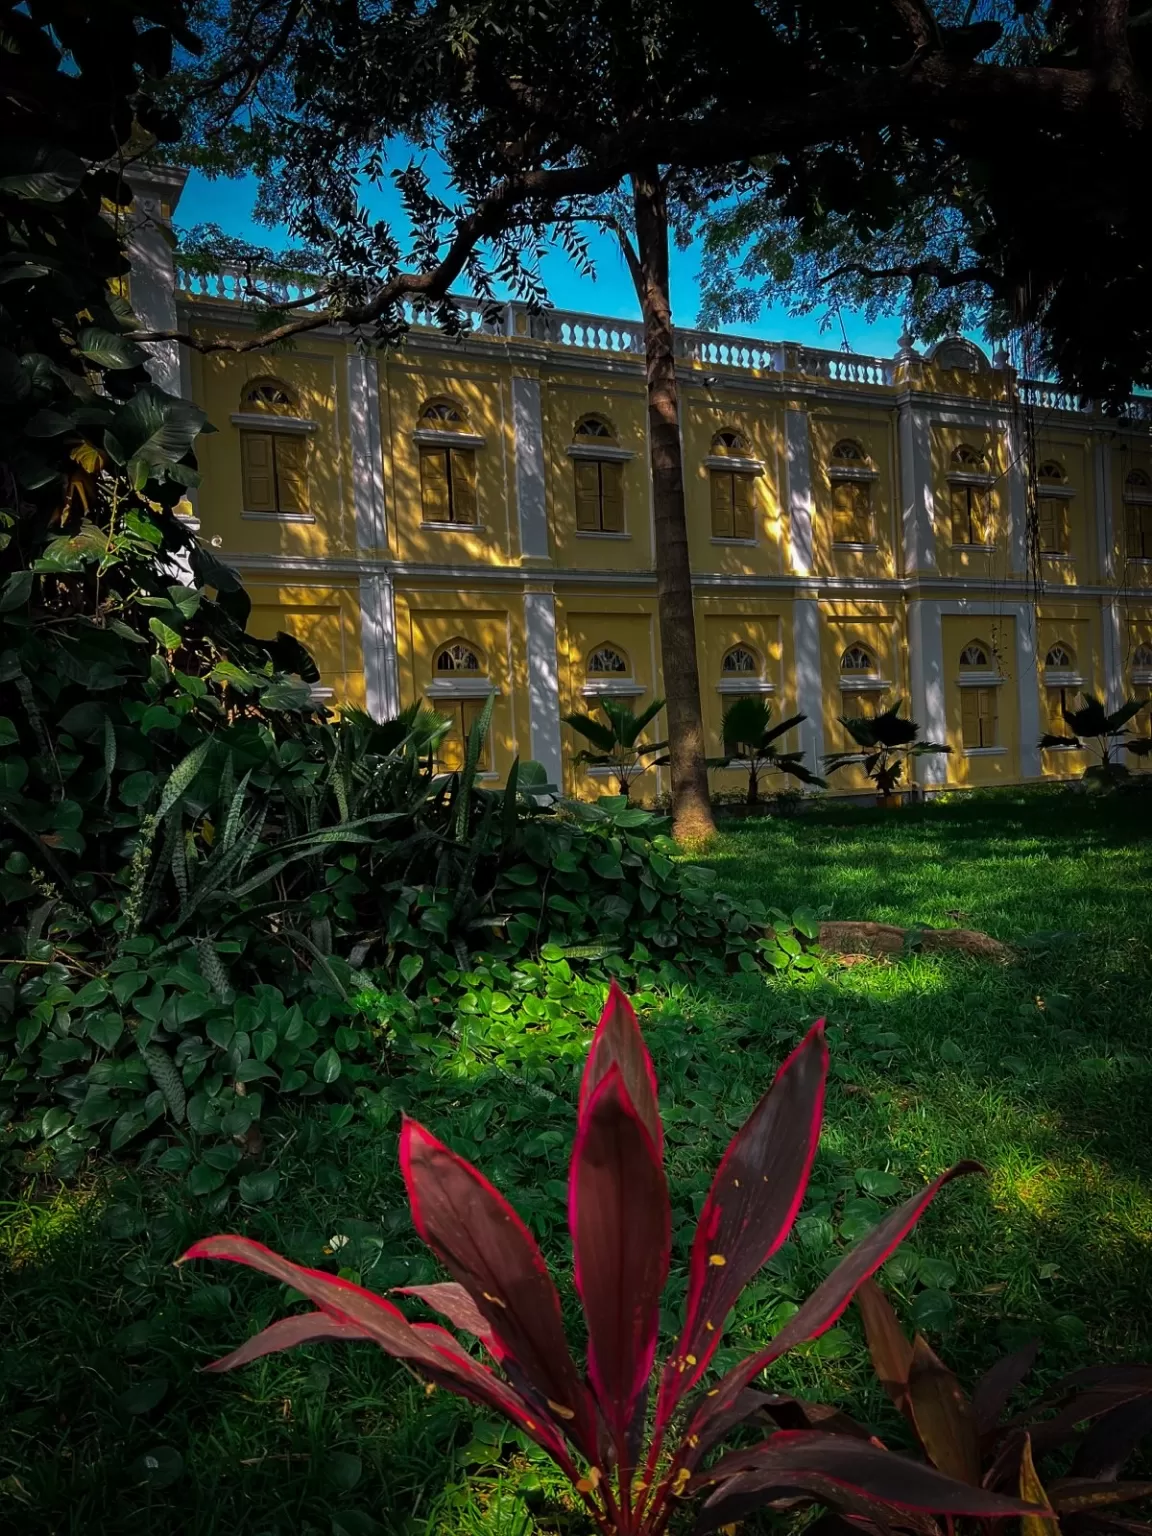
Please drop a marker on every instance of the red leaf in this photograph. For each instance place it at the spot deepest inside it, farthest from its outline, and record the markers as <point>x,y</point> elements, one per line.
<point>621,1222</point>
<point>618,1040</point>
<point>480,1238</point>
<point>888,1344</point>
<point>826,1303</point>
<point>859,1467</point>
<point>998,1383</point>
<point>750,1208</point>
<point>306,1328</point>
<point>453,1302</point>
<point>362,1312</point>
<point>942,1415</point>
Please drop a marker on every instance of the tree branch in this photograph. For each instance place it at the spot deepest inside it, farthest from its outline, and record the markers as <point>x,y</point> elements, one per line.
<point>918,19</point>
<point>937,270</point>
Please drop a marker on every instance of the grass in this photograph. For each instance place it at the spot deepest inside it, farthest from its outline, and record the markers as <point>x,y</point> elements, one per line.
<point>1042,1070</point>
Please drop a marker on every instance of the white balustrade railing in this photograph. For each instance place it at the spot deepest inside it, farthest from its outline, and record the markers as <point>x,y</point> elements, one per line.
<point>1042,395</point>
<point>717,351</point>
<point>846,367</point>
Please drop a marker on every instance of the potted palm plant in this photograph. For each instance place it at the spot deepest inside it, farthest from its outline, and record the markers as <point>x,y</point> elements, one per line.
<point>885,744</point>
<point>750,740</point>
<point>614,742</point>
<point>1093,729</point>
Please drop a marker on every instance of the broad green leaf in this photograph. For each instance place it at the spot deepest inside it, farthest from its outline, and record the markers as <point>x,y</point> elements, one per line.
<point>328,1067</point>
<point>109,350</point>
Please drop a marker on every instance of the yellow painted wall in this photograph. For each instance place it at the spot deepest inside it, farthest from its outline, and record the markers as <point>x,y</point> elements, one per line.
<point>1074,453</point>
<point>874,430</point>
<point>970,562</point>
<point>760,422</point>
<point>1075,626</point>
<point>326,621</point>
<point>998,635</point>
<point>880,628</point>
<point>565,398</point>
<point>582,623</point>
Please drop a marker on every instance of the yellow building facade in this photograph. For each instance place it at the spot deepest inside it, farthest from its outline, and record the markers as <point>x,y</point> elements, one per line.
<point>460,517</point>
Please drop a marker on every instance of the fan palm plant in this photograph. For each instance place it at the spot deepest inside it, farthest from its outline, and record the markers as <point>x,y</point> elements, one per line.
<point>884,745</point>
<point>1092,728</point>
<point>617,745</point>
<point>750,738</point>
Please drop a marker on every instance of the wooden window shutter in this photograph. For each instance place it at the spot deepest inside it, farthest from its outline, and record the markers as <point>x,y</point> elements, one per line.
<point>463,467</point>
<point>743,507</point>
<point>1145,540</point>
<point>434,485</point>
<point>862,505</point>
<point>587,495</point>
<point>987,706</point>
<point>844,512</point>
<point>291,475</point>
<point>981,517</point>
<point>1046,523</point>
<point>1063,532</point>
<point>723,510</point>
<point>259,472</point>
<point>451,748</point>
<point>1054,698</point>
<point>611,497</point>
<point>960,514</point>
<point>970,717</point>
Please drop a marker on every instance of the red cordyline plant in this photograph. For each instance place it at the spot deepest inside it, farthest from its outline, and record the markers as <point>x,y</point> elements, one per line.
<point>593,1425</point>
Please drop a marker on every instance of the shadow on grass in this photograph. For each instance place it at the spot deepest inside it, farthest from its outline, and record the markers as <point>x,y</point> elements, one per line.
<point>1041,1070</point>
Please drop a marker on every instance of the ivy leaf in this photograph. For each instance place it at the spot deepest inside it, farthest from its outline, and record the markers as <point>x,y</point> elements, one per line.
<point>168,637</point>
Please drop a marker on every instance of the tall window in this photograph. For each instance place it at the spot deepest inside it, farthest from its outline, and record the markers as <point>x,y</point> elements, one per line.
<point>460,661</point>
<point>850,474</point>
<point>732,488</point>
<point>273,463</point>
<point>861,691</point>
<point>1138,515</point>
<point>447,471</point>
<point>970,497</point>
<point>599,482</point>
<point>978,707</point>
<point>1059,695</point>
<point>1052,508</point>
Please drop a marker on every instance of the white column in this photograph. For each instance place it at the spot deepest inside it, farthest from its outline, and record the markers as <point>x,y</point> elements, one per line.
<point>927,705</point>
<point>367,456</point>
<point>798,480</point>
<point>378,644</point>
<point>1113,654</point>
<point>528,434</point>
<point>152,279</point>
<point>916,499</point>
<point>543,684</point>
<point>1017,501</point>
<point>1028,693</point>
<point>809,683</point>
<point>1105,512</point>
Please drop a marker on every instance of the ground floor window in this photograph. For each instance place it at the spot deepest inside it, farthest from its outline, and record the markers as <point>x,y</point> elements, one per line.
<point>978,717</point>
<point>463,714</point>
<point>1057,701</point>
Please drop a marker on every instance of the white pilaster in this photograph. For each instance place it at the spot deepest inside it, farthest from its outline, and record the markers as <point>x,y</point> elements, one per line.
<point>927,705</point>
<point>1017,478</point>
<point>367,455</point>
<point>528,433</point>
<point>152,279</point>
<point>809,683</point>
<point>1105,511</point>
<point>916,499</point>
<point>543,684</point>
<point>798,481</point>
<point>1028,692</point>
<point>378,644</point>
<point>1113,654</point>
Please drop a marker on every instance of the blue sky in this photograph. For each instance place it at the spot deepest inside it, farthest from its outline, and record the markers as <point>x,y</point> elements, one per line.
<point>230,204</point>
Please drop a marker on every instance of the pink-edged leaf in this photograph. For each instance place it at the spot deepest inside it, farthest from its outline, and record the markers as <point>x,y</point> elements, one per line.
<point>479,1237</point>
<point>619,1042</point>
<point>363,1314</point>
<point>750,1208</point>
<point>825,1305</point>
<point>307,1328</point>
<point>453,1302</point>
<point>998,1383</point>
<point>862,1468</point>
<point>743,1496</point>
<point>621,1223</point>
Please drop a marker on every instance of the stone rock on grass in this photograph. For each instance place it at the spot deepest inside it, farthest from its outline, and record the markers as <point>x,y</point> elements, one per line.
<point>874,941</point>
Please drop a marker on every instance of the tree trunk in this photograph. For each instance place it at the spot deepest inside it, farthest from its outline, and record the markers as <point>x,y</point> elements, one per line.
<point>691,808</point>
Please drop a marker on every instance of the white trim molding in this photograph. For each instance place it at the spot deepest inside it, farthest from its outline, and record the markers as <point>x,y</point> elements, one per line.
<point>749,685</point>
<point>431,437</point>
<point>928,704</point>
<point>461,687</point>
<point>607,453</point>
<point>378,645</point>
<point>610,688</point>
<point>543,684</point>
<point>279,517</point>
<point>367,452</point>
<point>798,484</point>
<point>261,421</point>
<point>737,466</point>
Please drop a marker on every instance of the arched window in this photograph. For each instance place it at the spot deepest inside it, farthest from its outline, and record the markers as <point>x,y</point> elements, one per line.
<point>273,462</point>
<point>970,498</point>
<point>1051,473</point>
<point>444,414</point>
<point>599,482</point>
<point>1059,655</point>
<point>851,476</point>
<point>733,490</point>
<point>447,472</point>
<point>740,660</point>
<point>607,661</point>
<point>1057,695</point>
<point>1138,515</point>
<point>730,442</point>
<point>1142,657</point>
<point>457,656</point>
<point>268,395</point>
<point>975,656</point>
<point>857,659</point>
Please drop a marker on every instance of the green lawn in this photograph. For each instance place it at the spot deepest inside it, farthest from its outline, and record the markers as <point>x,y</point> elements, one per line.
<point>1042,1070</point>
